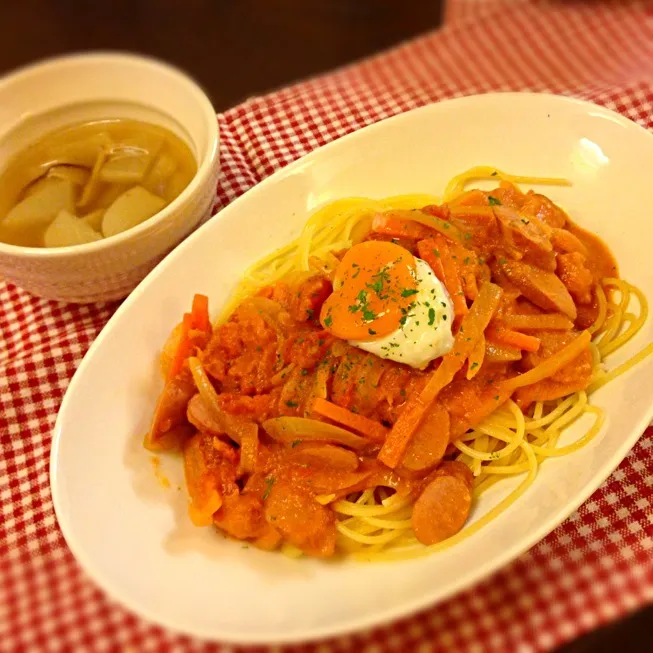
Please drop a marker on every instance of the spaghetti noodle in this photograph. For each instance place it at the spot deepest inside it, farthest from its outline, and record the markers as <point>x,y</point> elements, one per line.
<point>375,523</point>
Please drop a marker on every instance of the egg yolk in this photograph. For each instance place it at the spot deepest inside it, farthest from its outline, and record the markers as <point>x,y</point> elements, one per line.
<point>374,287</point>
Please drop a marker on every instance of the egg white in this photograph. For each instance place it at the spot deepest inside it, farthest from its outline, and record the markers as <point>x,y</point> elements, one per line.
<point>426,332</point>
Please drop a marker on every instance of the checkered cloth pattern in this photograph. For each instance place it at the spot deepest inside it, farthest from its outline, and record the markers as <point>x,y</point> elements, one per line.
<point>593,569</point>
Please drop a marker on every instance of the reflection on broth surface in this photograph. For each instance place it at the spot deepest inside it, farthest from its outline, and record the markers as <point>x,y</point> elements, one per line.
<point>91,180</point>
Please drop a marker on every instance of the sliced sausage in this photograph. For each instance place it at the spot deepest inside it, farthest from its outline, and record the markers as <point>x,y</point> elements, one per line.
<point>301,520</point>
<point>543,288</point>
<point>170,413</point>
<point>444,505</point>
<point>524,234</point>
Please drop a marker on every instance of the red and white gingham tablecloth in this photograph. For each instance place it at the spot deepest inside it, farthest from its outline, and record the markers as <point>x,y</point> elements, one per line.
<point>593,569</point>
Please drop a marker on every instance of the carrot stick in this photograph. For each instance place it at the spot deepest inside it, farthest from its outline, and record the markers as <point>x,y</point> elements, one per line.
<point>502,336</point>
<point>471,329</point>
<point>200,313</point>
<point>183,348</point>
<point>365,426</point>
<point>451,276</point>
<point>551,365</point>
<point>428,251</point>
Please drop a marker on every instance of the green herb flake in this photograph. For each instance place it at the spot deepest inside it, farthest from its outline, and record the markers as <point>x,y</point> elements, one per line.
<point>494,201</point>
<point>408,292</point>
<point>269,482</point>
<point>304,372</point>
<point>474,366</point>
<point>328,321</point>
<point>295,443</point>
<point>292,404</point>
<point>372,332</point>
<point>431,316</point>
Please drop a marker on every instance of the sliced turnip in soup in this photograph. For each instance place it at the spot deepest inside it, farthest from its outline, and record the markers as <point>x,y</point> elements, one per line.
<point>67,230</point>
<point>129,162</point>
<point>76,175</point>
<point>109,193</point>
<point>42,206</point>
<point>125,166</point>
<point>176,184</point>
<point>94,219</point>
<point>82,152</point>
<point>130,209</point>
<point>157,177</point>
<point>94,184</point>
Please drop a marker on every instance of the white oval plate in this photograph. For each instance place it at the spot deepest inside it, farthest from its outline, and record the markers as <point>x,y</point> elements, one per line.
<point>133,536</point>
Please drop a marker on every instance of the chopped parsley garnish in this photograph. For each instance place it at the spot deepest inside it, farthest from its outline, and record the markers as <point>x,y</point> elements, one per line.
<point>474,366</point>
<point>444,317</point>
<point>436,253</point>
<point>328,321</point>
<point>295,443</point>
<point>431,316</point>
<point>467,260</point>
<point>493,201</point>
<point>269,482</point>
<point>502,261</point>
<point>525,221</point>
<point>408,292</point>
<point>292,404</point>
<point>368,315</point>
<point>377,286</point>
<point>372,332</point>
<point>304,372</point>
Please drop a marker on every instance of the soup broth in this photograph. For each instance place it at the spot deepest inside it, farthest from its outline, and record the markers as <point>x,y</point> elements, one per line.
<point>91,180</point>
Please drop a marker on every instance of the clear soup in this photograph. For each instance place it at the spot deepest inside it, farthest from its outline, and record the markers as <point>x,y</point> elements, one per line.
<point>91,180</point>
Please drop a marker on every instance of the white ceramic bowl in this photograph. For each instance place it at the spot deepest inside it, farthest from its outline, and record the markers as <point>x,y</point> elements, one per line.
<point>134,537</point>
<point>54,93</point>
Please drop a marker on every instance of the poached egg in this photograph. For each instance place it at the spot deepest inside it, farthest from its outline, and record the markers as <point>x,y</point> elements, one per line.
<point>390,303</point>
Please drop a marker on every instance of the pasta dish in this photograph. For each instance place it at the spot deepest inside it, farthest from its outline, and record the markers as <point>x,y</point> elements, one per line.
<point>369,380</point>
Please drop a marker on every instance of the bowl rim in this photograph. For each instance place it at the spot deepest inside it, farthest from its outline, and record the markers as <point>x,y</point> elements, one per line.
<point>205,166</point>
